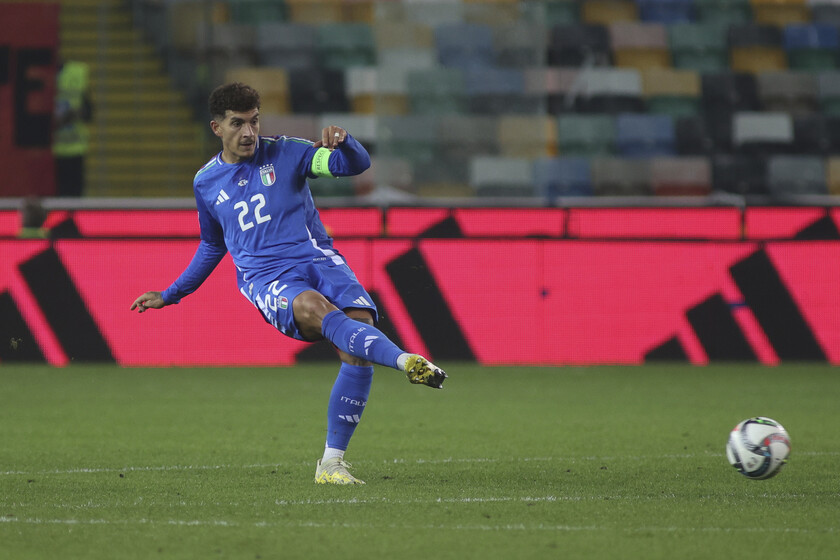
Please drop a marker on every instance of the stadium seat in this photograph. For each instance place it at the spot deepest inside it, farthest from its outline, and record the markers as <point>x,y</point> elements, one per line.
<point>411,137</point>
<point>258,11</point>
<point>832,133</point>
<point>519,45</point>
<point>391,96</point>
<point>432,12</point>
<point>756,48</point>
<point>727,12</point>
<point>402,34</point>
<point>605,90</point>
<point>362,127</point>
<point>391,173</point>
<point>272,83</point>
<point>612,176</point>
<point>318,91</point>
<point>550,80</point>
<point>792,92</point>
<point>299,126</point>
<point>499,90</point>
<point>605,12</point>
<point>501,176</point>
<point>639,45</point>
<point>666,11</point>
<point>437,91</point>
<point>224,46</point>
<point>359,11</point>
<point>727,92</point>
<point>407,58</point>
<point>796,175</point>
<point>464,45</point>
<point>642,135</point>
<point>754,35</point>
<point>361,88</point>
<point>562,176</point>
<point>812,47</point>
<point>719,126</point>
<point>553,84</point>
<point>560,12</point>
<point>494,13</point>
<point>460,138</point>
<point>314,12</point>
<point>697,46</point>
<point>828,87</point>
<point>288,45</point>
<point>833,175</point>
<point>230,39</point>
<point>394,65</point>
<point>342,45</point>
<point>527,135</point>
<point>693,137</point>
<point>586,134</point>
<point>704,134</point>
<point>825,12</point>
<point>739,174</point>
<point>681,176</point>
<point>576,45</point>
<point>816,134</point>
<point>780,12</point>
<point>671,92</point>
<point>762,133</point>
<point>757,59</point>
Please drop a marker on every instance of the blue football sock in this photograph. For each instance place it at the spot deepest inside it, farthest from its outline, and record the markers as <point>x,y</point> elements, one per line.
<point>360,339</point>
<point>347,402</point>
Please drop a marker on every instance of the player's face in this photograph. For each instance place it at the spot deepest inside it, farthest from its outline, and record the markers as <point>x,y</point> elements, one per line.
<point>239,132</point>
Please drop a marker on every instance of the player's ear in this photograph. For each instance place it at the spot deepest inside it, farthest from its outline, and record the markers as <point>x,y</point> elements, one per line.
<point>214,126</point>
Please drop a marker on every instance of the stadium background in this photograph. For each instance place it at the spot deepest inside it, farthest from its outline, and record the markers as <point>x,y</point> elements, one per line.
<point>580,182</point>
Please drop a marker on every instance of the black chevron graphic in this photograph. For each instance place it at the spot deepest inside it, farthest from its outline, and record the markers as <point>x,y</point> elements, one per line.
<point>64,308</point>
<point>770,302</point>
<point>428,308</point>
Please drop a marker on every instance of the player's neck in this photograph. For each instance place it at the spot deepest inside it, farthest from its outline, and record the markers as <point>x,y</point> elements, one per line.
<point>228,157</point>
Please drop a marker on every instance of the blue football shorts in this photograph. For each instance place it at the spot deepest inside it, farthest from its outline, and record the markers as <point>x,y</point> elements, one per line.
<point>337,283</point>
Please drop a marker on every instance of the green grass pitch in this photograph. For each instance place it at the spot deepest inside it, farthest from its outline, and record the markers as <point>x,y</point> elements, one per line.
<point>507,462</point>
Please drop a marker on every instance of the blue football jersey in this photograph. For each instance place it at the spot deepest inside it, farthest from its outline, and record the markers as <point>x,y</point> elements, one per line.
<point>261,211</point>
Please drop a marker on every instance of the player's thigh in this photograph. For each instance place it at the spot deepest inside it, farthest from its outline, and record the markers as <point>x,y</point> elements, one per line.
<point>341,287</point>
<point>276,302</point>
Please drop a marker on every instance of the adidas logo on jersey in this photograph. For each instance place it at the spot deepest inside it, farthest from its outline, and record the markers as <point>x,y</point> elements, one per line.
<point>363,302</point>
<point>223,196</point>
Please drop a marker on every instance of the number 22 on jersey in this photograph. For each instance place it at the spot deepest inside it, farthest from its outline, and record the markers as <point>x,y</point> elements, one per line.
<point>245,212</point>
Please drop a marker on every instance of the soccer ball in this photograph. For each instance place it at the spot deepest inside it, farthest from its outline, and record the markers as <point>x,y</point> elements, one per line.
<point>758,447</point>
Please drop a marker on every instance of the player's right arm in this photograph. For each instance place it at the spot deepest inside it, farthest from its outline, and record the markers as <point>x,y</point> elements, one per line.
<point>207,256</point>
<point>149,300</point>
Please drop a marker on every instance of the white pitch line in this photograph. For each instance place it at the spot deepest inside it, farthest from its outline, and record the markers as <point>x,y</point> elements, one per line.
<point>419,461</point>
<point>412,527</point>
<point>390,501</point>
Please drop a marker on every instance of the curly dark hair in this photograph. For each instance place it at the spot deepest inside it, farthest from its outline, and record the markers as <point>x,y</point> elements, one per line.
<point>235,96</point>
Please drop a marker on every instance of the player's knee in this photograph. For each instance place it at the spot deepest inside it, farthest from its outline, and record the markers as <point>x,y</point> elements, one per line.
<point>361,315</point>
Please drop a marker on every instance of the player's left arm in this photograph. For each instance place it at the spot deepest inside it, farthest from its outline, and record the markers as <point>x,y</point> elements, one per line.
<point>338,154</point>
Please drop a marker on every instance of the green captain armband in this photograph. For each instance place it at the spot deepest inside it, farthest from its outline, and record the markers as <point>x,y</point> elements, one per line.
<point>321,163</point>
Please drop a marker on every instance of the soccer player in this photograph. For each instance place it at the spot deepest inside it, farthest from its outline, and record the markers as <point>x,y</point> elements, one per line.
<point>254,200</point>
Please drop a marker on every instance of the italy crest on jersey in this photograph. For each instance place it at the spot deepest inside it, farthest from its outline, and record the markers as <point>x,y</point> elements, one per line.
<point>267,175</point>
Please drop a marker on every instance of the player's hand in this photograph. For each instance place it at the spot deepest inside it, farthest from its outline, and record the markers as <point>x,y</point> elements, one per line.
<point>331,137</point>
<point>149,300</point>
